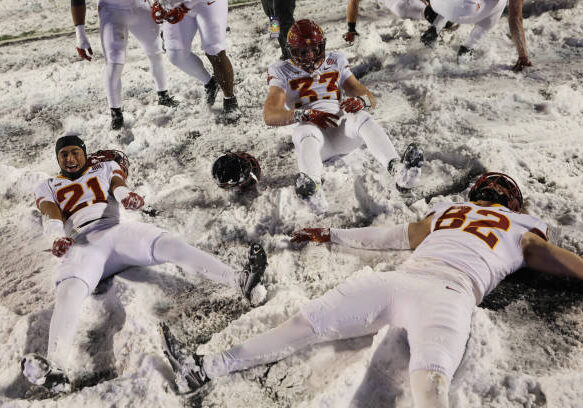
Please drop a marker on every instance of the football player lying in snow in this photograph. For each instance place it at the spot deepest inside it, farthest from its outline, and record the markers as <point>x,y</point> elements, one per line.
<point>462,251</point>
<point>81,209</point>
<point>307,90</point>
<point>484,14</point>
<point>116,18</point>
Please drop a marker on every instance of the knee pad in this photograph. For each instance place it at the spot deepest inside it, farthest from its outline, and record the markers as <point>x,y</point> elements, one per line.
<point>306,131</point>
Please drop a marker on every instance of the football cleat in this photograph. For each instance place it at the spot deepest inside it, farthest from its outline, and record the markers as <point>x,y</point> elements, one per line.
<point>188,368</point>
<point>408,171</point>
<point>253,270</point>
<point>39,371</point>
<point>305,186</point>
<point>116,119</point>
<point>231,111</point>
<point>166,100</point>
<point>211,89</point>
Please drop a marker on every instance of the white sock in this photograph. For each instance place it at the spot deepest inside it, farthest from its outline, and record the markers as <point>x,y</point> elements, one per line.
<point>158,72</point>
<point>113,84</point>
<point>194,261</point>
<point>70,294</point>
<point>378,142</point>
<point>189,63</point>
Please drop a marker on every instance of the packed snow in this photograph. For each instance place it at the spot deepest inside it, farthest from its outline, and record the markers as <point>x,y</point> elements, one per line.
<point>526,345</point>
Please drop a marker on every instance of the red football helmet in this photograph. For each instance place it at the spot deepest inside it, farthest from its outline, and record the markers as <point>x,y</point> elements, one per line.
<point>498,188</point>
<point>306,44</point>
<point>236,169</point>
<point>109,155</point>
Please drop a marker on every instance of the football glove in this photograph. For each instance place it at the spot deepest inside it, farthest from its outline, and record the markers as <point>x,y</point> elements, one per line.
<point>353,105</point>
<point>158,13</point>
<point>319,118</point>
<point>61,246</point>
<point>350,36</point>
<point>133,201</point>
<point>83,46</point>
<point>176,15</point>
<point>321,235</point>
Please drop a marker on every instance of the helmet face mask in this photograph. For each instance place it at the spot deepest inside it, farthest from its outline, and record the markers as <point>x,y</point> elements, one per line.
<point>306,45</point>
<point>498,188</point>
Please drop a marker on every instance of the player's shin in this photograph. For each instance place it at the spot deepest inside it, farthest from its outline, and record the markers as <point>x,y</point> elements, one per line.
<point>113,84</point>
<point>377,141</point>
<point>158,71</point>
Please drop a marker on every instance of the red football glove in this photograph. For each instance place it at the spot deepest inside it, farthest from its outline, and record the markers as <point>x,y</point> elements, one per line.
<point>353,105</point>
<point>176,14</point>
<point>320,118</point>
<point>521,63</point>
<point>133,201</point>
<point>350,36</point>
<point>311,234</point>
<point>61,246</point>
<point>158,13</point>
<point>87,55</point>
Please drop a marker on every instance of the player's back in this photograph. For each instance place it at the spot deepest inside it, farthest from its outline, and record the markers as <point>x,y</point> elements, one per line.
<point>483,242</point>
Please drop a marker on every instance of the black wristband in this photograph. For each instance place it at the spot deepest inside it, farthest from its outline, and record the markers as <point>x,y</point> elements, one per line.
<point>352,27</point>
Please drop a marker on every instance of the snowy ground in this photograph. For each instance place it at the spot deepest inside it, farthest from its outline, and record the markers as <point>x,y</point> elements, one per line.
<point>526,348</point>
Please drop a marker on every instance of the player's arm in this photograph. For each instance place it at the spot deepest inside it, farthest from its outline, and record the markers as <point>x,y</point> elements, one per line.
<point>121,192</point>
<point>403,236</point>
<point>274,111</point>
<point>78,12</point>
<point>351,16</point>
<point>517,32</point>
<point>543,256</point>
<point>54,228</point>
<point>356,90</point>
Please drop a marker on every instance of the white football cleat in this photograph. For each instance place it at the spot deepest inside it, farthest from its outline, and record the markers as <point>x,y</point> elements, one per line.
<point>39,371</point>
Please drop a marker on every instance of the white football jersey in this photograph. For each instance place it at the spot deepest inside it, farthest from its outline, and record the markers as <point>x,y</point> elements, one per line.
<point>84,199</point>
<point>322,89</point>
<point>483,242</point>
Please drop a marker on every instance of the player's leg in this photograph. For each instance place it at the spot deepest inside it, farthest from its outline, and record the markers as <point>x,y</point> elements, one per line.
<point>212,24</point>
<point>430,389</point>
<point>484,26</point>
<point>356,308</point>
<point>147,33</point>
<point>412,9</point>
<point>178,41</point>
<point>284,11</point>
<point>113,29</point>
<point>308,140</point>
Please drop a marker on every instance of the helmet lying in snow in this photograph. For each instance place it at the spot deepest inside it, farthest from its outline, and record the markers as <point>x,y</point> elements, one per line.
<point>236,169</point>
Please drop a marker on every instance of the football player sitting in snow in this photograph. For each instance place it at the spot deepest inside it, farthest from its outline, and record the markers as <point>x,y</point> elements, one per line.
<point>81,212</point>
<point>461,253</point>
<point>307,90</point>
<point>484,14</point>
<point>116,18</point>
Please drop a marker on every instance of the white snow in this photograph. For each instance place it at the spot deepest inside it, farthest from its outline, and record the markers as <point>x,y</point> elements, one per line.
<point>468,118</point>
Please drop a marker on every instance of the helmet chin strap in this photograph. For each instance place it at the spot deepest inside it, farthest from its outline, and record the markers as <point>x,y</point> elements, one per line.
<point>74,175</point>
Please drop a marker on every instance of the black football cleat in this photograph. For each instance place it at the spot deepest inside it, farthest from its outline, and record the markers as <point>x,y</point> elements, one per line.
<point>39,371</point>
<point>166,100</point>
<point>116,119</point>
<point>253,270</point>
<point>305,186</point>
<point>408,172</point>
<point>429,37</point>
<point>188,368</point>
<point>211,89</point>
<point>231,111</point>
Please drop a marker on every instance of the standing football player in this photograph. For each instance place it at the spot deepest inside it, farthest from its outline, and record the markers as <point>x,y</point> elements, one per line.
<point>307,90</point>
<point>81,213</point>
<point>484,14</point>
<point>180,25</point>
<point>281,18</point>
<point>116,18</point>
<point>462,252</point>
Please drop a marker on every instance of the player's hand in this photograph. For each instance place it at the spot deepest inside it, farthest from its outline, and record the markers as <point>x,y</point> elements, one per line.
<point>311,235</point>
<point>177,14</point>
<point>350,36</point>
<point>132,201</point>
<point>521,63</point>
<point>320,118</point>
<point>158,13</point>
<point>83,46</point>
<point>353,105</point>
<point>429,37</point>
<point>61,246</point>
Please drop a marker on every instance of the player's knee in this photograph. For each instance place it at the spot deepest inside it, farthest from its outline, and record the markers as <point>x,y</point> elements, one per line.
<point>307,133</point>
<point>361,117</point>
